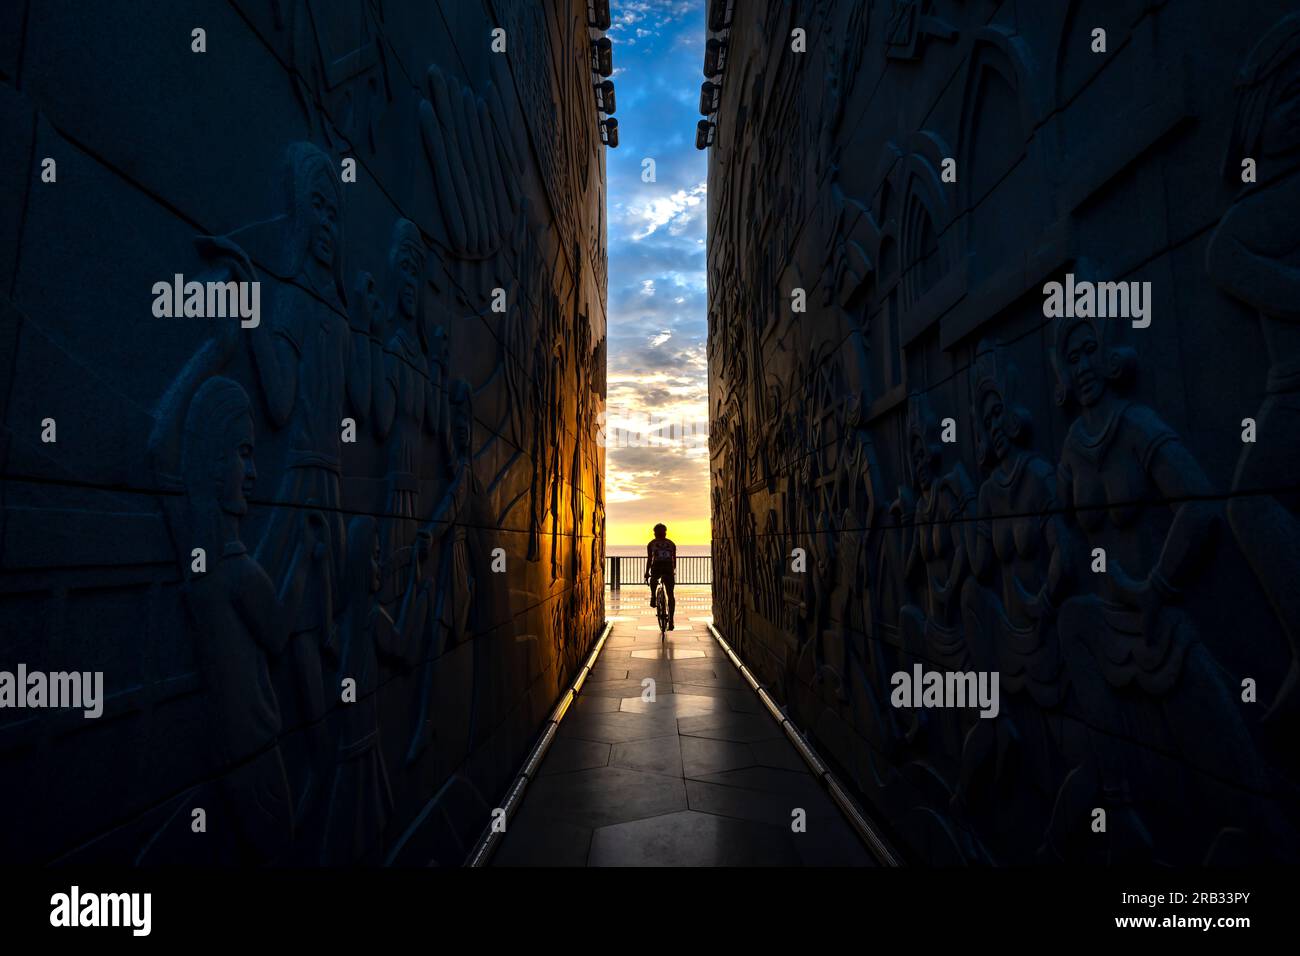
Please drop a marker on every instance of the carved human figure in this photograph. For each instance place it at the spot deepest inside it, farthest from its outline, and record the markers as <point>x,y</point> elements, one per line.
<point>517,342</point>
<point>1254,255</point>
<point>452,527</point>
<point>598,531</point>
<point>932,634</point>
<point>310,365</point>
<point>938,550</point>
<point>555,472</point>
<point>581,346</point>
<point>360,799</point>
<point>1159,684</point>
<point>1021,559</point>
<point>240,618</point>
<point>409,407</point>
<point>1021,534</point>
<point>544,456</point>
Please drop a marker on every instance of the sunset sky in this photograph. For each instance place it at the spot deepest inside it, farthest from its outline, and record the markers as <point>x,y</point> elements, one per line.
<point>657,421</point>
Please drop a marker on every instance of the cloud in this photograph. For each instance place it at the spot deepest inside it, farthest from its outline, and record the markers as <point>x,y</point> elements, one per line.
<point>677,211</point>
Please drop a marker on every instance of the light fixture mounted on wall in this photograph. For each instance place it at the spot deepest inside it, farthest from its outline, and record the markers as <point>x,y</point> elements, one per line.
<point>605,97</point>
<point>715,62</point>
<point>609,132</point>
<point>602,65</point>
<point>720,13</point>
<point>602,57</point>
<point>704,134</point>
<point>598,14</point>
<point>715,57</point>
<point>710,97</point>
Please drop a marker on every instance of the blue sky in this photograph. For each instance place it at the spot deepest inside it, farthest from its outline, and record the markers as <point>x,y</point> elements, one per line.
<point>657,288</point>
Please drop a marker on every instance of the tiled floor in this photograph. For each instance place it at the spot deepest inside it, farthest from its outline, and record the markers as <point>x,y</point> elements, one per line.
<point>700,775</point>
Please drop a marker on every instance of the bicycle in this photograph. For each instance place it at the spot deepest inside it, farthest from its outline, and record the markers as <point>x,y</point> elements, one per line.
<point>661,609</point>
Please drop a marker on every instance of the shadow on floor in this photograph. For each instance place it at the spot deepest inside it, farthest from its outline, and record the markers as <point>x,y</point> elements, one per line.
<point>700,775</point>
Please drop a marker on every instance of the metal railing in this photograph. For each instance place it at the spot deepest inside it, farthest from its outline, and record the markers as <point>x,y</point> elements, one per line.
<point>691,569</point>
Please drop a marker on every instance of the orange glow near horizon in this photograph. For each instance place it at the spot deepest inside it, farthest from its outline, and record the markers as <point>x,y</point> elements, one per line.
<point>683,531</point>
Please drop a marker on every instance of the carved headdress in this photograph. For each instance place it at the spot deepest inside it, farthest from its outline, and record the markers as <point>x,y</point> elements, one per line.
<point>218,403</point>
<point>994,373</point>
<point>306,164</point>
<point>283,243</point>
<point>1275,59</point>
<point>406,241</point>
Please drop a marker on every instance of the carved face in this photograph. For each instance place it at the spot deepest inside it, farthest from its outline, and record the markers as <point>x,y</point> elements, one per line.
<point>1081,368</point>
<point>324,217</point>
<point>1281,132</point>
<point>237,473</point>
<point>408,287</point>
<point>921,464</point>
<point>994,420</point>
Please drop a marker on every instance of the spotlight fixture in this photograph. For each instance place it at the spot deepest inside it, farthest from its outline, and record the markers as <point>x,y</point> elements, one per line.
<point>602,56</point>
<point>715,57</point>
<point>710,97</point>
<point>720,12</point>
<point>605,97</point>
<point>704,132</point>
<point>609,132</point>
<point>598,14</point>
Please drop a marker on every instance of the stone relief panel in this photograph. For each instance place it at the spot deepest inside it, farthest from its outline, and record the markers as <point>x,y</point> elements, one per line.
<point>336,551</point>
<point>929,471</point>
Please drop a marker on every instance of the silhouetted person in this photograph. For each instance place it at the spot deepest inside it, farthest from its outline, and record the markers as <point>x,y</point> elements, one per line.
<point>661,565</point>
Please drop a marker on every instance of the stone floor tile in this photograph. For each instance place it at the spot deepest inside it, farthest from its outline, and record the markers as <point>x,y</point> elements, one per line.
<point>691,839</point>
<point>662,755</point>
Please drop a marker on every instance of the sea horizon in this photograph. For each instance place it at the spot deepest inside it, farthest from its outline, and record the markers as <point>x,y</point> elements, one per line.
<point>638,550</point>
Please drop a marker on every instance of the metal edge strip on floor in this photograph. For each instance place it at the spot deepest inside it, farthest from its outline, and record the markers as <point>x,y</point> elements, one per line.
<point>853,813</point>
<point>488,842</point>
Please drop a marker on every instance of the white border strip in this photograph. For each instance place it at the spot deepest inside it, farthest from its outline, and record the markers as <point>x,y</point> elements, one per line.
<point>874,841</point>
<point>488,842</point>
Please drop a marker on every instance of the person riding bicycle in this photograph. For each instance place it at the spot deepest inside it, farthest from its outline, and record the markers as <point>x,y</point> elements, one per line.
<point>661,565</point>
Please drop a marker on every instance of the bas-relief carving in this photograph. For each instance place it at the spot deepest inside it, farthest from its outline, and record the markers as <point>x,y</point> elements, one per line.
<point>309,364</point>
<point>379,575</point>
<point>360,799</point>
<point>1252,257</point>
<point>453,528</point>
<point>410,404</point>
<point>240,617</point>
<point>1020,568</point>
<point>340,67</point>
<point>1110,693</point>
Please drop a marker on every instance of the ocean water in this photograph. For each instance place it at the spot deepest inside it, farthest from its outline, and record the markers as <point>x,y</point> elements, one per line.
<point>638,550</point>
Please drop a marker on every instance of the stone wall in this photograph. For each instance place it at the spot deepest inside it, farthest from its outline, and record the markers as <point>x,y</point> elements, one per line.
<point>950,459</point>
<point>382,489</point>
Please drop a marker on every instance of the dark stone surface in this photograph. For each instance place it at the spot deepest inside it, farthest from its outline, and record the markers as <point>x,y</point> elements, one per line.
<point>689,838</point>
<point>1120,691</point>
<point>667,797</point>
<point>370,560</point>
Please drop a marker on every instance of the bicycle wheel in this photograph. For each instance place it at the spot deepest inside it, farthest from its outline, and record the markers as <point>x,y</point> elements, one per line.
<point>661,610</point>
